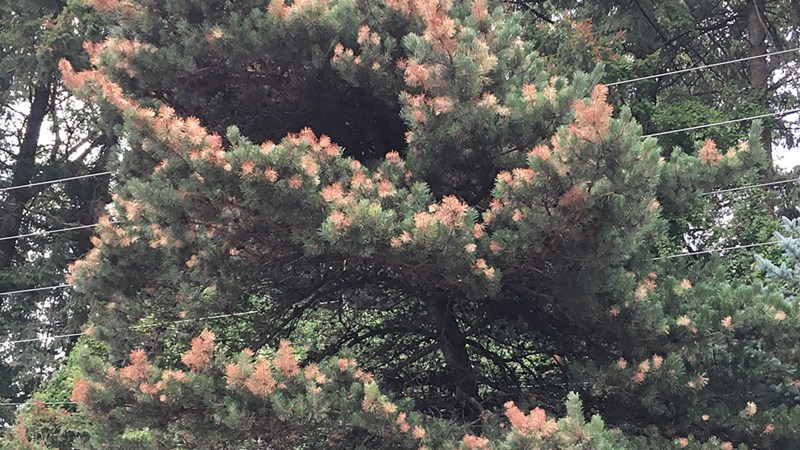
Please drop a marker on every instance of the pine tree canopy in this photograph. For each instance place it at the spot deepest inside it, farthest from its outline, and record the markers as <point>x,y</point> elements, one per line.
<point>416,199</point>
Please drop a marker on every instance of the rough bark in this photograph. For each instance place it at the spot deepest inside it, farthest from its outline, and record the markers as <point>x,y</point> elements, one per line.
<point>758,68</point>
<point>24,170</point>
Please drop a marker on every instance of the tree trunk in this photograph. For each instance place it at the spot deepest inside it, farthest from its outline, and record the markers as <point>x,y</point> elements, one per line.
<point>453,346</point>
<point>758,68</point>
<point>23,172</point>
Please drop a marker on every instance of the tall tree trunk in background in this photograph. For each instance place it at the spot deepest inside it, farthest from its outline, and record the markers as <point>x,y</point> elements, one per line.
<point>23,172</point>
<point>758,68</point>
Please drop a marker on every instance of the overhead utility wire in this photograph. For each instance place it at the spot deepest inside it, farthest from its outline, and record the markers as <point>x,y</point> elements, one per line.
<point>36,402</point>
<point>615,83</point>
<point>61,286</point>
<point>705,66</point>
<point>42,183</point>
<point>715,250</point>
<point>45,288</point>
<point>726,122</point>
<point>750,186</point>
<point>45,338</point>
<point>44,233</point>
<point>59,230</point>
<point>62,336</point>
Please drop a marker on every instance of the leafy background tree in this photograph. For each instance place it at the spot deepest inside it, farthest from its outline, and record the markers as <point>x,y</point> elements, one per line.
<point>46,134</point>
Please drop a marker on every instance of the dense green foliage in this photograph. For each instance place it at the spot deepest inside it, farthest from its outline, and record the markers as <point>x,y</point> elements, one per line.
<point>469,220</point>
<point>650,38</point>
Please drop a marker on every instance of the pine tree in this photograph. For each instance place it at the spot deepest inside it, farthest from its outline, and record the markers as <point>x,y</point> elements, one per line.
<point>407,181</point>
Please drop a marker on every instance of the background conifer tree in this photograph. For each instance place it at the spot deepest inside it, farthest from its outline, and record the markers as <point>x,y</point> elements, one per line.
<point>45,134</point>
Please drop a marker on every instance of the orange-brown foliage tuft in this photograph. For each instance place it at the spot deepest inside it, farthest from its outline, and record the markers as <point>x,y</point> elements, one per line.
<point>261,382</point>
<point>708,154</point>
<point>451,213</point>
<point>137,370</point>
<point>475,443</point>
<point>285,362</point>
<point>535,423</point>
<point>574,198</point>
<point>592,121</point>
<point>199,356</point>
<point>80,391</point>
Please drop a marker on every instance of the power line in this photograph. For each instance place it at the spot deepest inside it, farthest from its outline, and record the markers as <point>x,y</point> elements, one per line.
<point>62,336</point>
<point>45,338</point>
<point>32,402</point>
<point>45,288</point>
<point>737,247</point>
<point>726,122</point>
<point>719,191</point>
<point>60,180</point>
<point>751,186</point>
<point>705,66</point>
<point>218,316</point>
<point>714,250</point>
<point>615,83</point>
<point>44,233</point>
